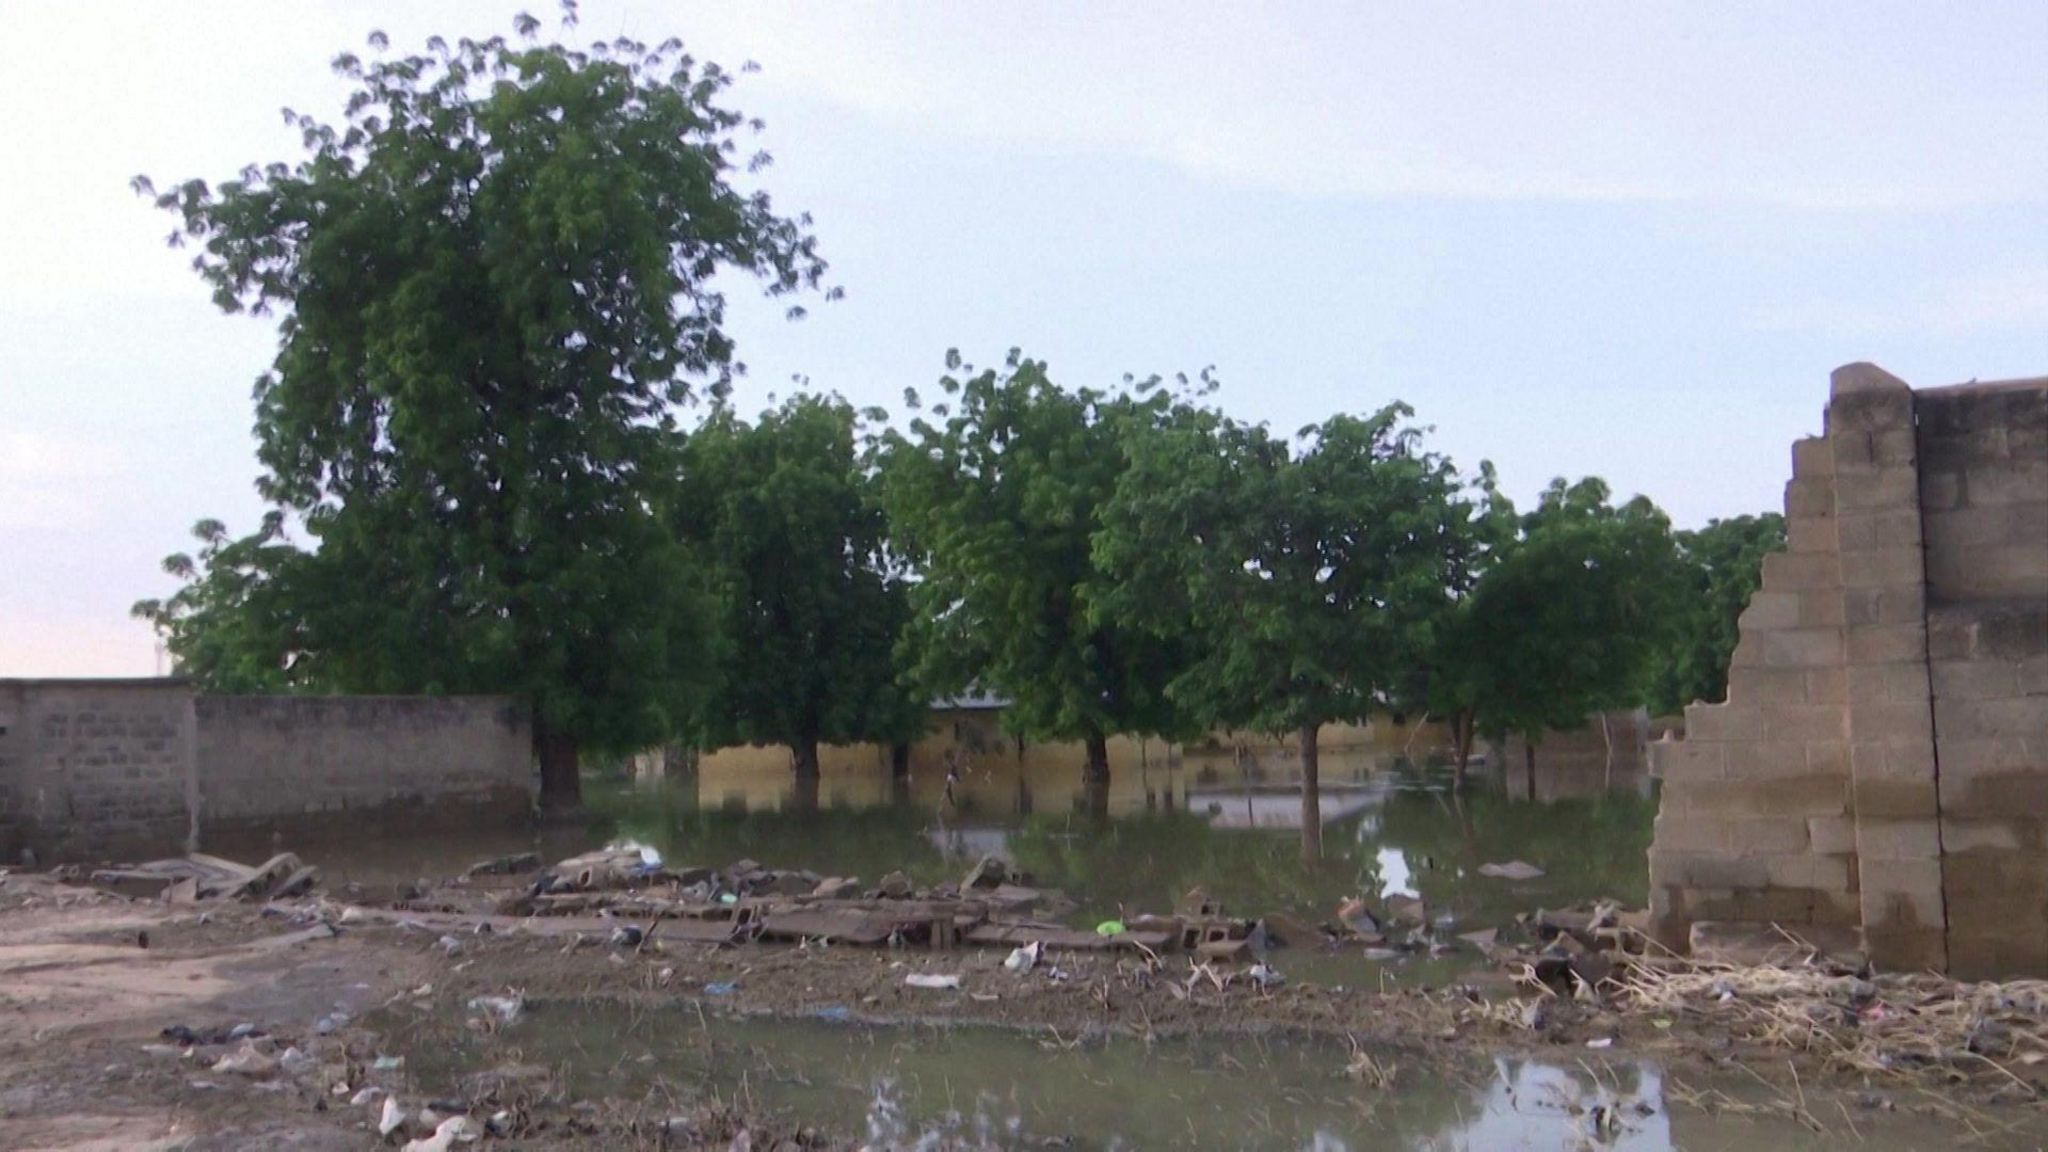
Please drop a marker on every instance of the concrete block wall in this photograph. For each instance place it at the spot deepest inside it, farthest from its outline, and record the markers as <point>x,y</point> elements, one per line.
<point>1984,495</point>
<point>1881,762</point>
<point>110,769</point>
<point>90,765</point>
<point>275,760</point>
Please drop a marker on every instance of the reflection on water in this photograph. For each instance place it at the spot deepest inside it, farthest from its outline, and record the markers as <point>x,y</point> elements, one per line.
<point>1400,831</point>
<point>978,1088</point>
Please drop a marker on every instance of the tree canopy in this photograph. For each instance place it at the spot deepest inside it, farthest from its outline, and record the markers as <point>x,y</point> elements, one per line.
<point>1723,565</point>
<point>996,494</point>
<point>811,606</point>
<point>497,275</point>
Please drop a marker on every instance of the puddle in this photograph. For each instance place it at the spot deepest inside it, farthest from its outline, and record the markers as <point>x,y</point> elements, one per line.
<point>979,1088</point>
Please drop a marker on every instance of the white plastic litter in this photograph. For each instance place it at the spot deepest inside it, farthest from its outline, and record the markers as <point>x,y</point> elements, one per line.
<point>932,981</point>
<point>1024,959</point>
<point>391,1117</point>
<point>1512,870</point>
<point>444,1137</point>
<point>503,1009</point>
<point>246,1061</point>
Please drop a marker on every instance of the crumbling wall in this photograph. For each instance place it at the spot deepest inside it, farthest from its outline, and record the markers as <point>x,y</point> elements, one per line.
<point>1882,704</point>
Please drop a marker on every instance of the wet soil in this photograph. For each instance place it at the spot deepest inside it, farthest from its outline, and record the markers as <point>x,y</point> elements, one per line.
<point>89,981</point>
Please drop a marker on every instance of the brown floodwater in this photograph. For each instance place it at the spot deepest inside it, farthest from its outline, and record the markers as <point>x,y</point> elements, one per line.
<point>971,1088</point>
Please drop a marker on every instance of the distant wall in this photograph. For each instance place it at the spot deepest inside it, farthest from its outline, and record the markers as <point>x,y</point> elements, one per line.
<point>276,759</point>
<point>101,769</point>
<point>1881,762</point>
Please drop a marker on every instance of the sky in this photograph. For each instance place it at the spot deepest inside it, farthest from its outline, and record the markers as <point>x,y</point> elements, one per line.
<point>1626,239</point>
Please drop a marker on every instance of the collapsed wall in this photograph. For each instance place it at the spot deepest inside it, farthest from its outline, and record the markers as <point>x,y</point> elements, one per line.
<point>1881,762</point>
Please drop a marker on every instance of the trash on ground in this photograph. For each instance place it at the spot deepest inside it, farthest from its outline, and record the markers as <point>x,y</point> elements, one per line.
<point>721,988</point>
<point>1022,960</point>
<point>246,1061</point>
<point>390,1116</point>
<point>931,980</point>
<point>1512,870</point>
<point>502,1009</point>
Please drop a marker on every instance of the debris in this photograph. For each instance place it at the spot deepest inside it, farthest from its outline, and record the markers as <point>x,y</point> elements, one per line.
<point>1512,870</point>
<point>837,888</point>
<point>989,872</point>
<point>364,1096</point>
<point>390,1117</point>
<point>836,1013</point>
<point>1267,977</point>
<point>452,1129</point>
<point>388,1063</point>
<point>932,981</point>
<point>1602,1042</point>
<point>330,1024</point>
<point>1486,939</point>
<point>1354,915</point>
<point>896,886</point>
<point>1407,910</point>
<point>627,936</point>
<point>1224,949</point>
<point>721,988</point>
<point>246,1061</point>
<point>1110,928</point>
<point>449,944</point>
<point>503,1009</point>
<point>506,865</point>
<point>1024,959</point>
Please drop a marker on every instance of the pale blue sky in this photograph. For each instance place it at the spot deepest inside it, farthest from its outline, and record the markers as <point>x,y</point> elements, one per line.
<point>1626,239</point>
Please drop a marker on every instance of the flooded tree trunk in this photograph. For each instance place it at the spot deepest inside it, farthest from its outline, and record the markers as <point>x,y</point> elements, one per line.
<point>1311,796</point>
<point>561,776</point>
<point>1095,776</point>
<point>899,762</point>
<point>1529,763</point>
<point>1461,747</point>
<point>805,797</point>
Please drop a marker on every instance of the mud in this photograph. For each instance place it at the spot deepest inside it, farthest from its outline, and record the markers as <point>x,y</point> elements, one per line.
<point>89,981</point>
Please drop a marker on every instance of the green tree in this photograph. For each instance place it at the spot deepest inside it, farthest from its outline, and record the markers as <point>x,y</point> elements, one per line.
<point>498,273</point>
<point>1311,574</point>
<point>996,496</point>
<point>1723,569</point>
<point>1567,619</point>
<point>229,626</point>
<point>811,608</point>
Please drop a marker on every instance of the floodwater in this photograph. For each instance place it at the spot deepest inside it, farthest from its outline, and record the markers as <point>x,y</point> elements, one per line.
<point>924,1087</point>
<point>1391,828</point>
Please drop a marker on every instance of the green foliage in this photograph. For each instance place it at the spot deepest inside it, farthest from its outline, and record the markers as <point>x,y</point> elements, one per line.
<point>1724,568</point>
<point>1567,618</point>
<point>1310,576</point>
<point>497,275</point>
<point>810,609</point>
<point>230,627</point>
<point>997,498</point>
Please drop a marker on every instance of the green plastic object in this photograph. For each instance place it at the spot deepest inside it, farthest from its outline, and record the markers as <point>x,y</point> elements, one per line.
<point>1110,928</point>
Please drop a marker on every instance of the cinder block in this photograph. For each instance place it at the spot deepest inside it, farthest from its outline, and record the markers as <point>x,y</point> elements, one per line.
<point>1771,610</point>
<point>1961,835</point>
<point>1802,722</point>
<point>1809,498</point>
<point>1975,679</point>
<point>1766,836</point>
<point>1881,799</point>
<point>1886,566</point>
<point>1886,644</point>
<point>1810,872</point>
<point>1939,490</point>
<point>1723,722</point>
<point>1882,487</point>
<point>1831,835</point>
<point>1828,758</point>
<point>1796,572</point>
<point>1752,762</point>
<point>1803,648</point>
<point>1759,686</point>
<point>1827,686</point>
<point>1909,720</point>
<point>1898,446</point>
<point>1905,949</point>
<point>1690,833</point>
<point>1813,456</point>
<point>1881,839</point>
<point>1821,609</point>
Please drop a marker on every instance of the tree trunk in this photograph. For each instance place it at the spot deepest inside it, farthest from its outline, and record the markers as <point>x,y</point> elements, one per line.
<point>561,777</point>
<point>1095,776</point>
<point>1529,762</point>
<point>1461,747</point>
<point>1311,796</point>
<point>806,756</point>
<point>899,762</point>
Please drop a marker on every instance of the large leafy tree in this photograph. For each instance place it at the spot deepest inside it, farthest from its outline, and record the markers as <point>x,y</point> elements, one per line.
<point>1568,618</point>
<point>496,275</point>
<point>811,605</point>
<point>996,493</point>
<point>1311,572</point>
<point>231,625</point>
<point>1723,569</point>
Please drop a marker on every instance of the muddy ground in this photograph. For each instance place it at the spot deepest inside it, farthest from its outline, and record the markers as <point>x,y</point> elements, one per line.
<point>90,981</point>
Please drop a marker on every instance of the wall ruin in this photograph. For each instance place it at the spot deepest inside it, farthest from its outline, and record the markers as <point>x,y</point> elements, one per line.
<point>1881,762</point>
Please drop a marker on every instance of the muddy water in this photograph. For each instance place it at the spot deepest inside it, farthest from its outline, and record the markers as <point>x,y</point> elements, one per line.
<point>930,1088</point>
<point>1389,831</point>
